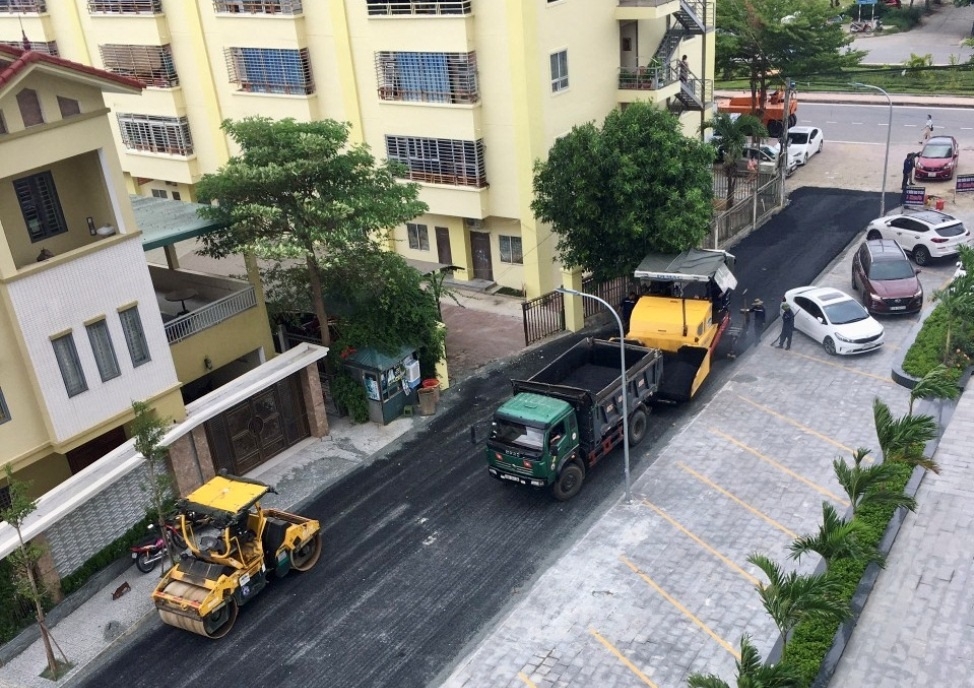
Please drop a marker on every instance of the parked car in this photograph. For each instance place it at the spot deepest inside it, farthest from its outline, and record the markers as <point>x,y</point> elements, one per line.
<point>887,280</point>
<point>835,320</point>
<point>924,234</point>
<point>938,159</point>
<point>766,157</point>
<point>804,142</point>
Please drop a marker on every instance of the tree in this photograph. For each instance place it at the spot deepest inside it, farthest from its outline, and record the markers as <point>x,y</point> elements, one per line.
<point>296,191</point>
<point>24,563</point>
<point>772,39</point>
<point>937,384</point>
<point>148,430</point>
<point>904,439</point>
<point>867,484</point>
<point>790,598</point>
<point>731,134</point>
<point>615,193</point>
<point>957,302</point>
<point>836,539</point>
<point>751,672</point>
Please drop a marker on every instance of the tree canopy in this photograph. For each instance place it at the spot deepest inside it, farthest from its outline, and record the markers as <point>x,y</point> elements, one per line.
<point>769,40</point>
<point>634,186</point>
<point>299,190</point>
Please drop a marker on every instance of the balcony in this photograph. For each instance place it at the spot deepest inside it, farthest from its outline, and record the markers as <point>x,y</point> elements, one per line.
<point>636,10</point>
<point>648,84</point>
<point>424,8</point>
<point>208,300</point>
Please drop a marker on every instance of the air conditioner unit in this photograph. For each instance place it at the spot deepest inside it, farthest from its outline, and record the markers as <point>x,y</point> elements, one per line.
<point>473,223</point>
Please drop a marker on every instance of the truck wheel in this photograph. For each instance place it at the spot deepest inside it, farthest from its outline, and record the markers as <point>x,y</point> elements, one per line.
<point>775,127</point>
<point>569,482</point>
<point>638,422</point>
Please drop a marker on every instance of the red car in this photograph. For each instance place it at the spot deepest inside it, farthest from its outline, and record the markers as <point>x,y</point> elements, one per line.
<point>882,273</point>
<point>938,159</point>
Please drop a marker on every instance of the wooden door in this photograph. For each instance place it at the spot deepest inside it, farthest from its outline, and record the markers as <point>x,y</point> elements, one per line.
<point>482,266</point>
<point>443,251</point>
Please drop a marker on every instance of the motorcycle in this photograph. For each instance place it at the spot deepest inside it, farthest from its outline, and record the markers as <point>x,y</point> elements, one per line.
<point>150,550</point>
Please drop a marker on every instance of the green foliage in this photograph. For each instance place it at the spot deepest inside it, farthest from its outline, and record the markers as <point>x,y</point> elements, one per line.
<point>16,611</point>
<point>751,672</point>
<point>915,67</point>
<point>115,550</point>
<point>350,395</point>
<point>836,539</point>
<point>870,484</point>
<point>927,351</point>
<point>615,193</point>
<point>731,134</point>
<point>904,439</point>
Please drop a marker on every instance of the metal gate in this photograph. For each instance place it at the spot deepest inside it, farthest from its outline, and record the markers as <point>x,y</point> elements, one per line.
<point>543,316</point>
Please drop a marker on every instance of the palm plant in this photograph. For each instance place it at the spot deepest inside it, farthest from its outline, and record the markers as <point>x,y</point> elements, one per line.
<point>937,384</point>
<point>790,598</point>
<point>867,484</point>
<point>751,673</point>
<point>836,538</point>
<point>732,133</point>
<point>904,439</point>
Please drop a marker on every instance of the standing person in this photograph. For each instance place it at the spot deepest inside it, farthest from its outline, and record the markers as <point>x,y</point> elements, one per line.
<point>787,326</point>
<point>908,164</point>
<point>927,129</point>
<point>626,308</point>
<point>759,315</point>
<point>684,69</point>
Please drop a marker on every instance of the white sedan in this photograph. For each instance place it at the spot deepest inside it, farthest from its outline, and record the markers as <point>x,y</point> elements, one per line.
<point>835,320</point>
<point>804,142</point>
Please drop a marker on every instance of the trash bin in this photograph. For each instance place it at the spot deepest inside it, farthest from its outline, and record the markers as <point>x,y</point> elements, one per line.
<point>427,400</point>
<point>433,384</point>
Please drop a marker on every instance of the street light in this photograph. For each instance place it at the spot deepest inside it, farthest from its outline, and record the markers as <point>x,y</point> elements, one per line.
<point>889,129</point>
<point>622,368</point>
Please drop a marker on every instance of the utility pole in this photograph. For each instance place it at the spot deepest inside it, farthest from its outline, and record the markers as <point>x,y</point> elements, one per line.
<point>785,122</point>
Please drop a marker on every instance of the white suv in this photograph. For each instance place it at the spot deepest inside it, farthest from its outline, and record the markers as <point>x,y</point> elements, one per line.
<point>924,234</point>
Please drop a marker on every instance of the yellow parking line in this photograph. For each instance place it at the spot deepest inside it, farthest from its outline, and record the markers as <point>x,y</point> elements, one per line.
<point>707,481</point>
<point>800,426</point>
<point>784,469</point>
<point>676,524</point>
<point>686,612</point>
<point>622,658</point>
<point>528,682</point>
<point>825,361</point>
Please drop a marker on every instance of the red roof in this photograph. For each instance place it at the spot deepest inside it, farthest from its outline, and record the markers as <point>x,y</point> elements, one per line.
<point>22,59</point>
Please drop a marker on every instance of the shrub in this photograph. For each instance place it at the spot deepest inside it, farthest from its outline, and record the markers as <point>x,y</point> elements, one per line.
<point>927,350</point>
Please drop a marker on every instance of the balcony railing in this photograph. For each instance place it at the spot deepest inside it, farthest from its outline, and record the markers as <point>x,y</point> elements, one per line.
<point>643,3</point>
<point>648,78</point>
<point>212,314</point>
<point>418,7</point>
<point>26,6</point>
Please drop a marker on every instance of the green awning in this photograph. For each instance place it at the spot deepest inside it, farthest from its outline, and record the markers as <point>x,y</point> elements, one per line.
<point>165,222</point>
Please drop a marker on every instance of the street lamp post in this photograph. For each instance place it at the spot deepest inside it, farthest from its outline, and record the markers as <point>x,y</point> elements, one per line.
<point>889,129</point>
<point>622,369</point>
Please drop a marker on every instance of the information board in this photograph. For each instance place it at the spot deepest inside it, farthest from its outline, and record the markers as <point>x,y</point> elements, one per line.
<point>964,182</point>
<point>915,196</point>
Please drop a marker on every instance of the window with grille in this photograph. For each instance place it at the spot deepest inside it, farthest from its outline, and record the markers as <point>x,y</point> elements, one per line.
<point>160,193</point>
<point>427,77</point>
<point>418,236</point>
<point>69,107</point>
<point>559,71</point>
<point>40,206</point>
<point>151,64</point>
<point>156,134</point>
<point>49,48</point>
<point>104,350</point>
<point>257,6</point>
<point>270,70</point>
<point>30,107</point>
<point>4,417</point>
<point>439,161</point>
<point>134,336</point>
<point>511,250</point>
<point>32,6</point>
<point>70,365</point>
<point>125,6</point>
<point>424,7</point>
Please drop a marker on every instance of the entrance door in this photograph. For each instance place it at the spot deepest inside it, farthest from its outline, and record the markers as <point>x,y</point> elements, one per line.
<point>482,266</point>
<point>443,251</point>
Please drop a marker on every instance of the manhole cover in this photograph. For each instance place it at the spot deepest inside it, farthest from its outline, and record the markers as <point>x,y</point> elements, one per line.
<point>745,378</point>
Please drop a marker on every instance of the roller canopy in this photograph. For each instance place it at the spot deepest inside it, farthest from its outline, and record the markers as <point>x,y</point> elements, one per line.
<point>693,265</point>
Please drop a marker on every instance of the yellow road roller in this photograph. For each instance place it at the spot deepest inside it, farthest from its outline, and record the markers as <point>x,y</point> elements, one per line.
<point>233,547</point>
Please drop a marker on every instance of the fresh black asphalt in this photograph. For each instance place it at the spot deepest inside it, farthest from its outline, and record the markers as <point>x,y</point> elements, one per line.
<point>422,548</point>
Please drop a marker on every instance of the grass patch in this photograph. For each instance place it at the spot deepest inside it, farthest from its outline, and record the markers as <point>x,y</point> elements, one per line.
<point>62,669</point>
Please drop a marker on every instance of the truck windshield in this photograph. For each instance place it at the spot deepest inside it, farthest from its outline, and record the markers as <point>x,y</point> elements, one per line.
<point>517,434</point>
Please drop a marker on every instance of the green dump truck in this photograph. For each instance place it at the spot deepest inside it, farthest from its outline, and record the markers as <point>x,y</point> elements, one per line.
<point>565,418</point>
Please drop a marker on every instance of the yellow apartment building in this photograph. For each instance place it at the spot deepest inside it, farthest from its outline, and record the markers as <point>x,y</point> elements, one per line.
<point>467,94</point>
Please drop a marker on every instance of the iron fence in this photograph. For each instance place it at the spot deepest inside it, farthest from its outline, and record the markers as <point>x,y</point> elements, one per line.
<point>543,316</point>
<point>208,316</point>
<point>613,291</point>
<point>748,212</point>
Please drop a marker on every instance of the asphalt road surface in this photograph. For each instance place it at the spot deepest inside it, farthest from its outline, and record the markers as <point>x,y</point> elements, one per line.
<point>869,123</point>
<point>423,550</point>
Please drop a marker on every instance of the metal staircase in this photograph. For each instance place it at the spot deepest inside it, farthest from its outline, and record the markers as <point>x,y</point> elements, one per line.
<point>691,20</point>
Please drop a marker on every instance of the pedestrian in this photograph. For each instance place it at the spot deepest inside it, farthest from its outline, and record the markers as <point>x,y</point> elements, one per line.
<point>908,164</point>
<point>684,69</point>
<point>759,316</point>
<point>787,327</point>
<point>927,129</point>
<point>626,308</point>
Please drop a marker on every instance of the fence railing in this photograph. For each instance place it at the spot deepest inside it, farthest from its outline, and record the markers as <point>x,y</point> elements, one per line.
<point>613,291</point>
<point>755,198</point>
<point>213,314</point>
<point>418,7</point>
<point>543,316</point>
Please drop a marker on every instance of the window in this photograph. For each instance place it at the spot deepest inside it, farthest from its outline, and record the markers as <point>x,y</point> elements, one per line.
<point>160,193</point>
<point>4,412</point>
<point>104,350</point>
<point>125,6</point>
<point>270,70</point>
<point>427,77</point>
<point>395,7</point>
<point>418,236</point>
<point>32,6</point>
<point>30,107</point>
<point>176,196</point>
<point>511,250</point>
<point>67,360</point>
<point>439,161</point>
<point>559,71</point>
<point>156,134</point>
<point>3,124</point>
<point>40,206</point>
<point>150,64</point>
<point>49,48</point>
<point>5,497</point>
<point>69,107</point>
<point>134,336</point>
<point>258,6</point>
